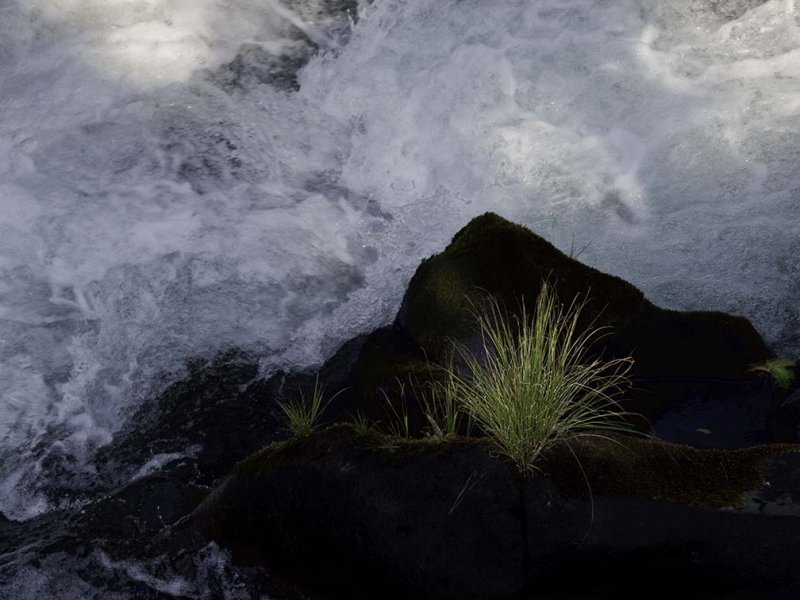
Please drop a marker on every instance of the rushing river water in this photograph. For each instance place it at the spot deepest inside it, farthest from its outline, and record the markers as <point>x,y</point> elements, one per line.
<point>170,187</point>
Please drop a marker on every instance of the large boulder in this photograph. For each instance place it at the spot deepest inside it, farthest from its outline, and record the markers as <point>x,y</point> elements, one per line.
<point>509,262</point>
<point>375,517</point>
<point>359,515</point>
<point>692,370</point>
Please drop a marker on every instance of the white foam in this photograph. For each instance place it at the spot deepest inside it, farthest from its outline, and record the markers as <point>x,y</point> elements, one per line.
<point>152,42</point>
<point>656,132</point>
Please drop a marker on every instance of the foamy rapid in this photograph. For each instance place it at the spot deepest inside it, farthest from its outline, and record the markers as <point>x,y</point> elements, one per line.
<point>159,201</point>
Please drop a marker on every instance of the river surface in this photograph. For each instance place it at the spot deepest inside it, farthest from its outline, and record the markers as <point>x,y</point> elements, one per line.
<point>172,186</point>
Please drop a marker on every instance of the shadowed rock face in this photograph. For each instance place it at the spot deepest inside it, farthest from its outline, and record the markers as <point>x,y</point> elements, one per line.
<point>495,257</point>
<point>398,527</point>
<point>448,520</point>
<point>690,372</point>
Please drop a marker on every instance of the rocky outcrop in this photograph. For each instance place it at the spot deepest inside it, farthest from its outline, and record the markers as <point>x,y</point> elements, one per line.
<point>448,519</point>
<point>686,363</point>
<point>509,262</point>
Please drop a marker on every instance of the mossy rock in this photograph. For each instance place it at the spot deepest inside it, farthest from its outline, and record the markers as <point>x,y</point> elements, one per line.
<point>451,519</point>
<point>509,262</point>
<point>648,468</point>
<point>337,508</point>
<point>390,378</point>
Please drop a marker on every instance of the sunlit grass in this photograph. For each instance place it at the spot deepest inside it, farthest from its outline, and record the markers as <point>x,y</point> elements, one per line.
<point>533,381</point>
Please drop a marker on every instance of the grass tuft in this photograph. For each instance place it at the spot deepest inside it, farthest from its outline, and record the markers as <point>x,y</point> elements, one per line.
<point>444,416</point>
<point>304,415</point>
<point>360,424</point>
<point>782,369</point>
<point>532,381</point>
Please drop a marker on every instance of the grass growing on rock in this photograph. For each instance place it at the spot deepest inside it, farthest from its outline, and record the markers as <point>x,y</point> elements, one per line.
<point>532,381</point>
<point>782,369</point>
<point>612,464</point>
<point>304,414</point>
<point>391,448</point>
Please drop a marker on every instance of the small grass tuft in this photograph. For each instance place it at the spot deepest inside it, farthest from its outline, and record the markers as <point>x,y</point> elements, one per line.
<point>782,369</point>
<point>533,382</point>
<point>443,413</point>
<point>303,415</point>
<point>361,424</point>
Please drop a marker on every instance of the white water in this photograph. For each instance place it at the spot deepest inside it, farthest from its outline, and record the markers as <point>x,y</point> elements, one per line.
<point>150,213</point>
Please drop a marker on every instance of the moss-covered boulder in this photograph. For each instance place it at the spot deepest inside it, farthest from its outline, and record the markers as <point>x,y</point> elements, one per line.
<point>494,256</point>
<point>365,515</point>
<point>375,517</point>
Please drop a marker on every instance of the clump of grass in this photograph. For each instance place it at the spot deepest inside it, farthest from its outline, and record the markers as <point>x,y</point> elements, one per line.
<point>533,382</point>
<point>440,407</point>
<point>303,414</point>
<point>782,369</point>
<point>360,423</point>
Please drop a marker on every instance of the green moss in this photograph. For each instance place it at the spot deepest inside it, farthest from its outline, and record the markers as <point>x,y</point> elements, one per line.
<point>656,470</point>
<point>266,459</point>
<point>397,450</point>
<point>494,256</point>
<point>388,447</point>
<point>615,465</point>
<point>388,354</point>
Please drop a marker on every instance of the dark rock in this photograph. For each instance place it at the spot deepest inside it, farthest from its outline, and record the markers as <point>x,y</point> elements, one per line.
<point>446,519</point>
<point>425,518</point>
<point>216,416</point>
<point>710,413</point>
<point>493,256</point>
<point>415,520</point>
<point>388,378</point>
<point>132,543</point>
<point>131,516</point>
<point>786,417</point>
<point>681,359</point>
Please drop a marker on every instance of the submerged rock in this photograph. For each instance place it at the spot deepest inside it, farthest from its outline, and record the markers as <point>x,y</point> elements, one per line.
<point>448,519</point>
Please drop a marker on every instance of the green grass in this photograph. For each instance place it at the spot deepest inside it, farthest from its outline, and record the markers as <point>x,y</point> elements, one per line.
<point>304,415</point>
<point>399,424</point>
<point>782,369</point>
<point>532,381</point>
<point>443,414</point>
